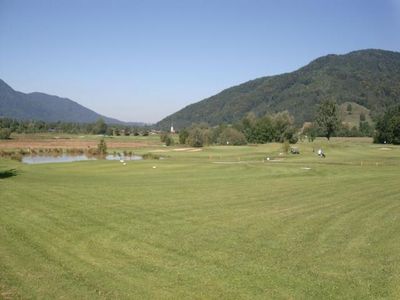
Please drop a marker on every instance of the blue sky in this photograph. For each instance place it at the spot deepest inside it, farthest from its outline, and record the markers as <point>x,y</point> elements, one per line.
<point>143,60</point>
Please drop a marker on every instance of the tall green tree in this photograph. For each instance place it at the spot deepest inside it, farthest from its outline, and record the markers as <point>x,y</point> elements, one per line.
<point>196,137</point>
<point>388,127</point>
<point>328,118</point>
<point>183,135</point>
<point>102,147</point>
<point>100,127</point>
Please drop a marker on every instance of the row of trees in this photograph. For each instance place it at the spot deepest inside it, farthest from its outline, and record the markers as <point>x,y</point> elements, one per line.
<point>199,135</point>
<point>270,128</point>
<point>7,126</point>
<point>273,128</point>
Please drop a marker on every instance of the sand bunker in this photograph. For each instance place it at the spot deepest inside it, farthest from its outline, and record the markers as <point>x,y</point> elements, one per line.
<point>188,149</point>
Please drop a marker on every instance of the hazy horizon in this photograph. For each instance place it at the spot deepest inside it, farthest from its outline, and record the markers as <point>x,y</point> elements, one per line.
<point>140,62</point>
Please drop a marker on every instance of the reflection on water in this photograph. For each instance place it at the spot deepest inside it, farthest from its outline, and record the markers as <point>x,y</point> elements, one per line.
<point>44,159</point>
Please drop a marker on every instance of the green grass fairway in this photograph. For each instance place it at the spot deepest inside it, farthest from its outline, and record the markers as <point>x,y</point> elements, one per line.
<point>217,223</point>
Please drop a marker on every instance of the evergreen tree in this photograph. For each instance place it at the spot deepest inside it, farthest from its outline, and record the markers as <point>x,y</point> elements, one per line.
<point>328,118</point>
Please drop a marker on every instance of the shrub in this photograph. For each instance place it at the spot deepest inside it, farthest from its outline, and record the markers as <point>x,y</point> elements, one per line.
<point>231,136</point>
<point>102,147</point>
<point>310,132</point>
<point>285,146</point>
<point>183,135</point>
<point>163,137</point>
<point>349,109</point>
<point>150,156</point>
<point>195,138</point>
<point>16,156</point>
<point>169,141</point>
<point>5,133</point>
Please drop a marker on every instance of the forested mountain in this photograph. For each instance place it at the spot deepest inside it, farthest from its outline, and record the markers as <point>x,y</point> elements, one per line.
<point>39,106</point>
<point>370,78</point>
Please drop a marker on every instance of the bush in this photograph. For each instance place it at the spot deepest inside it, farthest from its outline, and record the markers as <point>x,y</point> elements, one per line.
<point>163,137</point>
<point>150,156</point>
<point>102,147</point>
<point>285,146</point>
<point>5,133</point>
<point>169,141</point>
<point>16,156</point>
<point>270,128</point>
<point>196,138</point>
<point>231,136</point>
<point>311,132</point>
<point>183,135</point>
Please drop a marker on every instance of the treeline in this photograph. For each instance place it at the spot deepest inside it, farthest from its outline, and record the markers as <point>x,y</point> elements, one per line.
<point>280,128</point>
<point>8,126</point>
<point>270,128</point>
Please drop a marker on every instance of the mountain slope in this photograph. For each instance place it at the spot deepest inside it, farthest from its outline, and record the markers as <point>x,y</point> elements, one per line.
<point>39,106</point>
<point>370,78</point>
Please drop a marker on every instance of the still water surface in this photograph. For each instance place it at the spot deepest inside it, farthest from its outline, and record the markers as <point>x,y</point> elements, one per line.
<point>44,159</point>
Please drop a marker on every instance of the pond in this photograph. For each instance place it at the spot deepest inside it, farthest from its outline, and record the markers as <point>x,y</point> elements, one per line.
<point>44,159</point>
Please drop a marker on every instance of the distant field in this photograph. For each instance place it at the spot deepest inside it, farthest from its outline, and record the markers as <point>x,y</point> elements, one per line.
<point>222,222</point>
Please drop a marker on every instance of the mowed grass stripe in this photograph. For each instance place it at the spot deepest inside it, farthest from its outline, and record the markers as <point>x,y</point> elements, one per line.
<point>194,229</point>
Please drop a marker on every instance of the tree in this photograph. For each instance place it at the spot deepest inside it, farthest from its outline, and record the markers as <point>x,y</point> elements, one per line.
<point>311,132</point>
<point>5,133</point>
<point>163,137</point>
<point>328,118</point>
<point>388,127</point>
<point>284,129</point>
<point>365,129</point>
<point>196,137</point>
<point>102,147</point>
<point>167,139</point>
<point>349,109</point>
<point>183,135</point>
<point>100,127</point>
<point>231,136</point>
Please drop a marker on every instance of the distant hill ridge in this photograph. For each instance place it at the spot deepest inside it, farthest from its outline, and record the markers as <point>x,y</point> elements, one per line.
<point>370,78</point>
<point>39,106</point>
